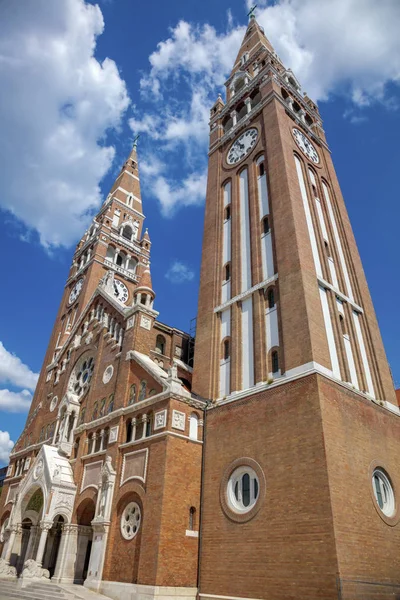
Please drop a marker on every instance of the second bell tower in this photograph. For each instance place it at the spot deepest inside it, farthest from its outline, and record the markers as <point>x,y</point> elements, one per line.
<point>301,438</point>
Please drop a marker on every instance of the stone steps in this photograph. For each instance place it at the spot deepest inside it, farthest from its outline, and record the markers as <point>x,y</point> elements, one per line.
<point>13,590</point>
<point>10,590</point>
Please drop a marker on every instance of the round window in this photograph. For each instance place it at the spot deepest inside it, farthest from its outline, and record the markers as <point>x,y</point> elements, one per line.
<point>80,379</point>
<point>243,489</point>
<point>130,520</point>
<point>383,492</point>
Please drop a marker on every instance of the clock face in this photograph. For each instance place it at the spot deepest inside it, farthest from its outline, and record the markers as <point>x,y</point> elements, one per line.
<point>305,146</point>
<point>242,146</point>
<point>120,291</point>
<point>76,290</point>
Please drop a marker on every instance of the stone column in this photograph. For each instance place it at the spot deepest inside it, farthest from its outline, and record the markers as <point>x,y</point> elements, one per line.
<point>234,117</point>
<point>65,567</point>
<point>120,336</point>
<point>93,448</point>
<point>31,543</point>
<point>248,104</point>
<point>10,545</point>
<point>45,527</point>
<point>97,554</point>
<point>144,420</point>
<point>133,434</point>
<point>116,255</point>
<point>101,440</point>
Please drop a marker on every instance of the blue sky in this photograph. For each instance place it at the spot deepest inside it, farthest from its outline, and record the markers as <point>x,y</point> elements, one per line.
<point>79,79</point>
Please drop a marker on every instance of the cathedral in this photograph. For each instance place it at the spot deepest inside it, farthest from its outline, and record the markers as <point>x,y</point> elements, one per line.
<point>258,461</point>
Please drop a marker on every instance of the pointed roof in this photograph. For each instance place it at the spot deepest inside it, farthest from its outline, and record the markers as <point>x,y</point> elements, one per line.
<point>253,38</point>
<point>145,281</point>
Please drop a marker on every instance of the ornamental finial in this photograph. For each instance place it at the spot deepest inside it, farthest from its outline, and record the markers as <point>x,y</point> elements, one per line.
<point>251,14</point>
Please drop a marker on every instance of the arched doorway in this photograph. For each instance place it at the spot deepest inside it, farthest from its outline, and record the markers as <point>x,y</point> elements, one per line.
<point>85,515</point>
<point>27,538</point>
<point>53,545</point>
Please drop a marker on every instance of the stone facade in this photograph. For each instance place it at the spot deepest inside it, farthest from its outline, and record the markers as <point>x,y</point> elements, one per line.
<point>295,477</point>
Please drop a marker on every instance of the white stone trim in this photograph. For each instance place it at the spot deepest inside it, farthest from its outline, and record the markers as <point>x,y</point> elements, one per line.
<point>131,174</point>
<point>298,373</point>
<point>14,485</point>
<point>160,419</point>
<point>340,294</point>
<point>156,435</point>
<point>225,597</point>
<point>178,420</point>
<point>143,479</point>
<point>97,462</point>
<point>192,533</point>
<point>248,292</point>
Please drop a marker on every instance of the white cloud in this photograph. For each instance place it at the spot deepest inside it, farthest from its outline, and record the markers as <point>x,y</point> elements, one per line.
<point>15,401</point>
<point>173,195</point>
<point>341,47</point>
<point>14,371</point>
<point>56,107</point>
<point>179,272</point>
<point>6,446</point>
<point>348,47</point>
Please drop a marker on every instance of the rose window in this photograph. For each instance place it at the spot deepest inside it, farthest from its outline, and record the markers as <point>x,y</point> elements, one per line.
<point>130,520</point>
<point>81,376</point>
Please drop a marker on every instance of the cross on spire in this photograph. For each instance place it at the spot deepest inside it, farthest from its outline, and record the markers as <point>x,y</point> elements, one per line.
<point>251,14</point>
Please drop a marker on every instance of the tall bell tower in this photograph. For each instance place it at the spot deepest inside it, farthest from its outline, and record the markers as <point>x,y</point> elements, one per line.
<point>289,351</point>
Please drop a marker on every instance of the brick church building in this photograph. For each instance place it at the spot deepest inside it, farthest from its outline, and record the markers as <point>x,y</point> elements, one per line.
<point>267,468</point>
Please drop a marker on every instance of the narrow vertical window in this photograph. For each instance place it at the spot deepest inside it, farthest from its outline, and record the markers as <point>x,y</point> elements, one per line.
<point>192,513</point>
<point>265,225</point>
<point>226,349</point>
<point>227,271</point>
<point>227,215</point>
<point>261,169</point>
<point>275,361</point>
<point>271,298</point>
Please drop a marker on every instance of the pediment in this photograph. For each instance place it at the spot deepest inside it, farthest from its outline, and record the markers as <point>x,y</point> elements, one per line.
<point>52,473</point>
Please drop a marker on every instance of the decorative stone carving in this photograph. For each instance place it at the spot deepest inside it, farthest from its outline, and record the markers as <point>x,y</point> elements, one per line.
<point>89,338</point>
<point>6,571</point>
<point>33,571</point>
<point>130,322</point>
<point>38,470</point>
<point>145,322</point>
<point>108,373</point>
<point>113,434</point>
<point>160,419</point>
<point>53,403</point>
<point>178,420</point>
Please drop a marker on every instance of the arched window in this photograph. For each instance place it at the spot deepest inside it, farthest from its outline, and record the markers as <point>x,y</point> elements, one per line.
<point>119,260</point>
<point>343,326</point>
<point>102,407</point>
<point>227,124</point>
<point>110,406</point>
<point>265,225</point>
<point>82,416</point>
<point>160,344</point>
<point>193,426</point>
<point>275,361</point>
<point>192,518</point>
<point>142,390</point>
<point>271,298</point>
<point>110,253</point>
<point>143,298</point>
<point>226,349</point>
<point>241,111</point>
<point>227,214</point>
<point>261,169</point>
<point>132,394</point>
<point>127,232</point>
<point>95,411</point>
